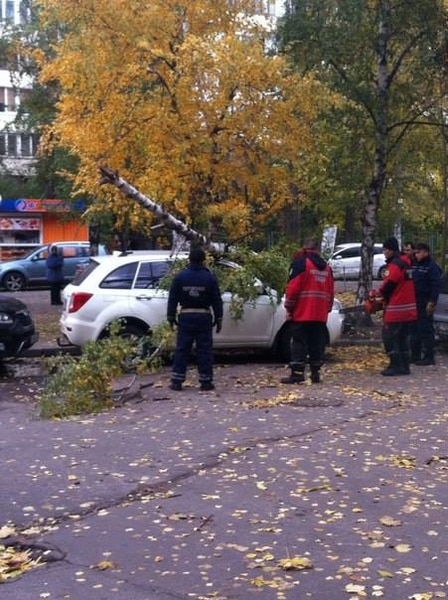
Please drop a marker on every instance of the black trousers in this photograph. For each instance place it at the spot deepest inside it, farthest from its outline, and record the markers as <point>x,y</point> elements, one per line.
<point>422,335</point>
<point>194,328</point>
<point>396,339</point>
<point>55,292</point>
<point>308,340</point>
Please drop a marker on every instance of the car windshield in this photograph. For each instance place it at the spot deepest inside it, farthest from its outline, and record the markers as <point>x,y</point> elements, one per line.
<point>31,253</point>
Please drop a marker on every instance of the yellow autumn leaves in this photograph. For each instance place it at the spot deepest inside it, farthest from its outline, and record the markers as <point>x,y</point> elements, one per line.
<point>182,99</point>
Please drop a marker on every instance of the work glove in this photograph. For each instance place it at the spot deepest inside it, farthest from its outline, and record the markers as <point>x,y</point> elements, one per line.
<point>172,322</point>
<point>218,325</point>
<point>430,308</point>
<point>373,304</point>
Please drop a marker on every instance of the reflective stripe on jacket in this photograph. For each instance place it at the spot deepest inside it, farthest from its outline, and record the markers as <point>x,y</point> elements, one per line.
<point>398,291</point>
<point>309,294</point>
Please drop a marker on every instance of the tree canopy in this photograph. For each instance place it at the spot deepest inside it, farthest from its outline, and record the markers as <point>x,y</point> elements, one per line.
<point>181,98</point>
<point>387,58</point>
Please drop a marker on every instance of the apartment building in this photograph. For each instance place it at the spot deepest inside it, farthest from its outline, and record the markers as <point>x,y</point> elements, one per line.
<point>17,147</point>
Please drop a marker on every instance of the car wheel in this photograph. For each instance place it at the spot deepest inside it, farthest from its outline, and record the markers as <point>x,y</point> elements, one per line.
<point>381,272</point>
<point>143,348</point>
<point>14,281</point>
<point>283,350</point>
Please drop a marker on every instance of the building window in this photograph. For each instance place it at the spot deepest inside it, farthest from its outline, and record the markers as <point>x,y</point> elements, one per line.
<point>24,13</point>
<point>9,14</point>
<point>26,145</point>
<point>12,144</point>
<point>10,99</point>
<point>2,144</point>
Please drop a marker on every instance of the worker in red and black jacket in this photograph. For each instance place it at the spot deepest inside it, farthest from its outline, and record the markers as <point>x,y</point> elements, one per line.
<point>308,300</point>
<point>400,310</point>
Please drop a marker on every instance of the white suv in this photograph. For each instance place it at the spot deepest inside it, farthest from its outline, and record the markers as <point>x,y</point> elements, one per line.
<point>126,287</point>
<point>346,261</point>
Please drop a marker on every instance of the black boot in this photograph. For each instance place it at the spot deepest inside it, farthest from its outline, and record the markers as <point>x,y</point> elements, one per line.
<point>395,367</point>
<point>297,374</point>
<point>315,377</point>
<point>315,372</point>
<point>404,363</point>
<point>428,359</point>
<point>176,385</point>
<point>207,386</point>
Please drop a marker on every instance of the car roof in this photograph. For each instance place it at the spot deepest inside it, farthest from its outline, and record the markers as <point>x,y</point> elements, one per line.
<point>353,245</point>
<point>125,257</point>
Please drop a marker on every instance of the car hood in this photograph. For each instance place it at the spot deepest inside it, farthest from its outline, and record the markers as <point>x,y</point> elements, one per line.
<point>12,305</point>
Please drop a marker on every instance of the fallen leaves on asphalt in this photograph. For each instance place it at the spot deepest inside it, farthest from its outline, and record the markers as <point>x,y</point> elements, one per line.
<point>266,490</point>
<point>14,563</point>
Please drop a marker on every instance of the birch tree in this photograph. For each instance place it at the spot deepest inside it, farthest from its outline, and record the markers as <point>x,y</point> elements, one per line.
<point>386,58</point>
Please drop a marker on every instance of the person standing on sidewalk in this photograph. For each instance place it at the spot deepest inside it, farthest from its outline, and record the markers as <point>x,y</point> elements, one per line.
<point>309,298</point>
<point>409,250</point>
<point>55,275</point>
<point>427,278</point>
<point>197,292</point>
<point>398,297</point>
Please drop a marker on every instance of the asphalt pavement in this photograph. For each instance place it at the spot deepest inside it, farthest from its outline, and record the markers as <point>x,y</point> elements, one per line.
<point>335,491</point>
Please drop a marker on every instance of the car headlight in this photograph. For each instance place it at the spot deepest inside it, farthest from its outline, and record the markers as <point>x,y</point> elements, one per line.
<point>6,318</point>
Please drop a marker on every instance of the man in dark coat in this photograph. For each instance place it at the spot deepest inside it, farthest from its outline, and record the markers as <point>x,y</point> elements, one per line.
<point>426,275</point>
<point>197,292</point>
<point>55,275</point>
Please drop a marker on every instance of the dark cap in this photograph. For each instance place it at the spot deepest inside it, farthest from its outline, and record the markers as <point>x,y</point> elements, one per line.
<point>197,255</point>
<point>391,244</point>
<point>423,246</point>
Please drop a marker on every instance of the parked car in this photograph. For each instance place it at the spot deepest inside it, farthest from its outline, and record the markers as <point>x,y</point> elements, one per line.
<point>31,270</point>
<point>441,313</point>
<point>127,288</point>
<point>346,261</point>
<point>17,330</point>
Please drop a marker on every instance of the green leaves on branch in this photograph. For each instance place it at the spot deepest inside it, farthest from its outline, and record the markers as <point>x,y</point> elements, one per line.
<point>83,385</point>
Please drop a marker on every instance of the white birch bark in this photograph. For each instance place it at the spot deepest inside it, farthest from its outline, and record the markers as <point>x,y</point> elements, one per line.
<point>108,176</point>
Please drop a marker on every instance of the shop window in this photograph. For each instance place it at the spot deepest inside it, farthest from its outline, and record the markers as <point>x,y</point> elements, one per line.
<point>23,230</point>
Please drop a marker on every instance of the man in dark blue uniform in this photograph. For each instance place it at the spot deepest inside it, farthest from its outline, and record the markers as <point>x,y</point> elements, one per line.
<point>426,274</point>
<point>197,292</point>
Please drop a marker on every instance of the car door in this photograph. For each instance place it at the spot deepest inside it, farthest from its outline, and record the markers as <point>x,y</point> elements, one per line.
<point>36,267</point>
<point>147,300</point>
<point>350,261</point>
<point>255,328</point>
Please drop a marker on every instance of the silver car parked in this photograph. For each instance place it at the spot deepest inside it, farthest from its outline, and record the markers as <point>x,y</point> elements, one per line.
<point>441,313</point>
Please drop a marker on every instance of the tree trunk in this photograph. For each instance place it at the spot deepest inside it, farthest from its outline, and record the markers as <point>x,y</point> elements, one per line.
<point>369,217</point>
<point>108,176</point>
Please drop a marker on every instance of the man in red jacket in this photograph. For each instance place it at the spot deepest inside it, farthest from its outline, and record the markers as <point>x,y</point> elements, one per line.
<point>400,309</point>
<point>308,300</point>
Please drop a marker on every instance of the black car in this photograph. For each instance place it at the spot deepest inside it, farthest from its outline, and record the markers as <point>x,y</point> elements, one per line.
<point>17,330</point>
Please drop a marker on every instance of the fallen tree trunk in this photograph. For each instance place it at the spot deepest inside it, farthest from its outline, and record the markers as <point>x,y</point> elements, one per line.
<point>108,176</point>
